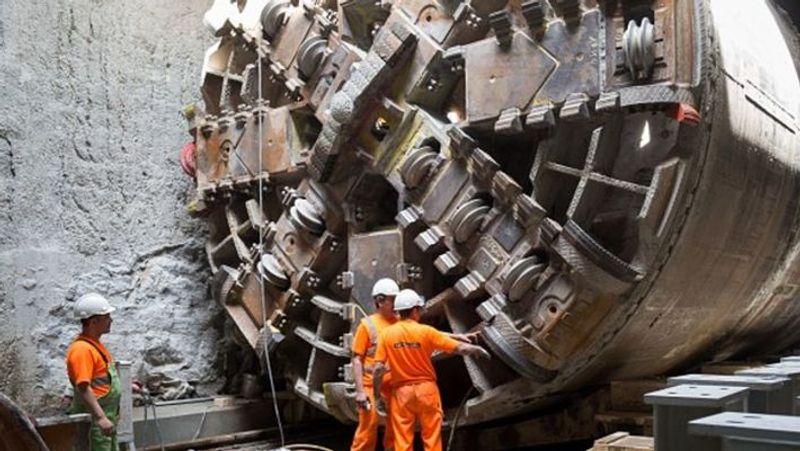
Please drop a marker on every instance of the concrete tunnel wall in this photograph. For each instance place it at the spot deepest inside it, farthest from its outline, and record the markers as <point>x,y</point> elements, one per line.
<point>91,193</point>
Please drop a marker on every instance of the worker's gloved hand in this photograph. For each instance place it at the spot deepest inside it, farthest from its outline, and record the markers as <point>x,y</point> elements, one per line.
<point>482,353</point>
<point>471,337</point>
<point>380,407</point>
<point>362,401</point>
<point>106,426</point>
<point>64,403</point>
<point>136,386</point>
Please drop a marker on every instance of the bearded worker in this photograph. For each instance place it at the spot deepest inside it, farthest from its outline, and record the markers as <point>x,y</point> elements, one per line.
<point>364,344</point>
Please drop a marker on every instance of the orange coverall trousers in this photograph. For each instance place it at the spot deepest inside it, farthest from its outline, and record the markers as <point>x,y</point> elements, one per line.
<point>416,401</point>
<point>366,436</point>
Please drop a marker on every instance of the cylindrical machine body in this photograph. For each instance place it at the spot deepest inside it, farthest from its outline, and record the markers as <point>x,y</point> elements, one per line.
<point>729,280</point>
<point>605,189</point>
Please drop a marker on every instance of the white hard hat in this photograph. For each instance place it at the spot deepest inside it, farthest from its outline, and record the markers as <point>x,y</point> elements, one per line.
<point>92,304</point>
<point>385,287</point>
<point>407,299</point>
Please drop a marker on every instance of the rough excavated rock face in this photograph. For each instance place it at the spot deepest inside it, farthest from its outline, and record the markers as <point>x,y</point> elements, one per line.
<point>90,192</point>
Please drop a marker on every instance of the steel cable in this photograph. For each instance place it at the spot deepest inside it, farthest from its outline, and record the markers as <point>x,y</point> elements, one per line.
<point>260,119</point>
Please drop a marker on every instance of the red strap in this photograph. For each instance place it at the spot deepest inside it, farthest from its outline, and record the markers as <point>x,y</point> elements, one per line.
<point>188,159</point>
<point>684,113</point>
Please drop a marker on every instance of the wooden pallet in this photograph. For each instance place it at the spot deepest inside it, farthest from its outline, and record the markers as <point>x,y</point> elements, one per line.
<point>623,441</point>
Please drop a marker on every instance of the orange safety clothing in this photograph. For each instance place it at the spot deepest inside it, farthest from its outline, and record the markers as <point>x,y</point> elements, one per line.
<point>418,400</point>
<point>366,436</point>
<point>365,342</point>
<point>364,345</point>
<point>85,363</point>
<point>406,347</point>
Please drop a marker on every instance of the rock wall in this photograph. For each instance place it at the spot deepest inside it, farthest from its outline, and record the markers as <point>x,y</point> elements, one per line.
<point>91,194</point>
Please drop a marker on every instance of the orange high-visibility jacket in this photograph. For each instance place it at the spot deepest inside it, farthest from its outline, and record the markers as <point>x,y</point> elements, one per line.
<point>366,340</point>
<point>364,345</point>
<point>85,363</point>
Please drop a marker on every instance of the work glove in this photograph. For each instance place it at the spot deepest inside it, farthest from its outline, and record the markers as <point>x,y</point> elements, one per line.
<point>380,407</point>
<point>482,353</point>
<point>362,401</point>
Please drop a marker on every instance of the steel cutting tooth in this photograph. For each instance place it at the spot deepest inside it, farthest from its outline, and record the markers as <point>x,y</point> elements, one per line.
<point>522,277</point>
<point>430,240</point>
<point>409,218</point>
<point>448,263</point>
<point>271,270</point>
<point>304,216</point>
<point>470,285</point>
<point>468,219</point>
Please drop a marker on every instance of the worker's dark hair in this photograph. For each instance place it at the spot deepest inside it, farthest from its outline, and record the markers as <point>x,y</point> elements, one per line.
<point>404,314</point>
<point>85,321</point>
<point>380,298</point>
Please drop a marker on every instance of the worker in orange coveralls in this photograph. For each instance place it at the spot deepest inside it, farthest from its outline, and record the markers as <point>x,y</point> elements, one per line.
<point>406,348</point>
<point>364,344</point>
